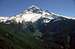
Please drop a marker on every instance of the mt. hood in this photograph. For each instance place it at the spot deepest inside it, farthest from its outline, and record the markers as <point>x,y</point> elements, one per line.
<point>32,14</point>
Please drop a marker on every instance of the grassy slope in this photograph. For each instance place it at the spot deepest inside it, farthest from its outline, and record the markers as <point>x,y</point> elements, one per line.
<point>20,40</point>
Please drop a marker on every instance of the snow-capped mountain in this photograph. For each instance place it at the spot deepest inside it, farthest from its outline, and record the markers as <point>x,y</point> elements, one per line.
<point>33,13</point>
<point>52,29</point>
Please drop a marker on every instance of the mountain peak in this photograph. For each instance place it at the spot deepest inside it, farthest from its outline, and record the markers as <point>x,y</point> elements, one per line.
<point>33,9</point>
<point>34,6</point>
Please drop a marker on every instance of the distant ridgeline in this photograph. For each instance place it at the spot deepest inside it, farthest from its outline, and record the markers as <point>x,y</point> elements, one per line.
<point>35,28</point>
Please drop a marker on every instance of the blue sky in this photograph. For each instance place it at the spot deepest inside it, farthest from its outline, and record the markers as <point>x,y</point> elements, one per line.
<point>12,7</point>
